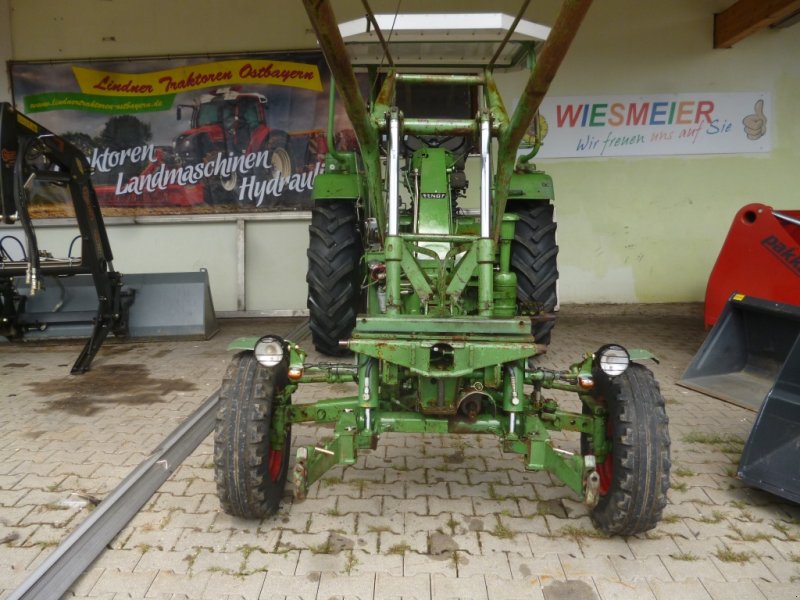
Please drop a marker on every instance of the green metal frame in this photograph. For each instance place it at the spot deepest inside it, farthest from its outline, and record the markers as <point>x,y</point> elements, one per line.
<point>359,420</point>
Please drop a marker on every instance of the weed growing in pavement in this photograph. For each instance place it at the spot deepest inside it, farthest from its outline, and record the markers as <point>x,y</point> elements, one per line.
<point>749,537</point>
<point>579,533</point>
<point>785,530</point>
<point>399,549</point>
<point>247,550</point>
<point>727,443</point>
<point>716,517</point>
<point>379,529</point>
<point>725,554</point>
<point>285,548</point>
<point>241,573</point>
<point>683,472</point>
<point>351,563</point>
<point>360,484</point>
<point>679,486</point>
<point>746,515</point>
<point>325,548</point>
<point>670,519</point>
<point>493,495</point>
<point>190,559</point>
<point>452,524</point>
<point>688,556</point>
<point>503,532</point>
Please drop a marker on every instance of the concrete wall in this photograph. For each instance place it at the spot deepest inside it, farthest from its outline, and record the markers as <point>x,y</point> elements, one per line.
<point>649,229</point>
<point>630,229</point>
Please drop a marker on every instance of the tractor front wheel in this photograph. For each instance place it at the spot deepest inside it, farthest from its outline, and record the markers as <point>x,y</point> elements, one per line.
<point>251,451</point>
<point>634,477</point>
<point>334,281</point>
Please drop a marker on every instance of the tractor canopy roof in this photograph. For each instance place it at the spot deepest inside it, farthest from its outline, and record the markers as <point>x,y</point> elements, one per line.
<point>466,41</point>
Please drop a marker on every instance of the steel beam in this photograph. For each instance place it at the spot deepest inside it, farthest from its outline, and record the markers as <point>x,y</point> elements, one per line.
<point>74,555</point>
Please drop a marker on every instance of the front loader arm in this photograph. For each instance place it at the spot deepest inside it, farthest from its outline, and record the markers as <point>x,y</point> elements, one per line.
<point>323,20</point>
<point>548,61</point>
<point>32,154</point>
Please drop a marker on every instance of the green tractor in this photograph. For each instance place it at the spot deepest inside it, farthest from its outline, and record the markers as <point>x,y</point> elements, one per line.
<point>439,311</point>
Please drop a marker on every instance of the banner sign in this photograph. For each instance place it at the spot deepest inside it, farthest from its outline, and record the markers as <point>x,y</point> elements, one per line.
<point>188,135</point>
<point>679,124</point>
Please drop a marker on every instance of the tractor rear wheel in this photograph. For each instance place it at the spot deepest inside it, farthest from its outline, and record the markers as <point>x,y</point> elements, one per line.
<point>634,477</point>
<point>534,260</point>
<point>279,158</point>
<point>334,279</point>
<point>249,470</point>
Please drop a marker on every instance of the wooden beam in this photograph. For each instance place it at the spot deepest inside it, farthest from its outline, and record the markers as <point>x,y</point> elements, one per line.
<point>745,17</point>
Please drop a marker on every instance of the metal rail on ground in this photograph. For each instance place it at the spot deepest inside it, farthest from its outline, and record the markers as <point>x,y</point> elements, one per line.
<point>79,550</point>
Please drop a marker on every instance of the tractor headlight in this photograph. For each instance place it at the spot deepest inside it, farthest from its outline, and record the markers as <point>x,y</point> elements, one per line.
<point>612,359</point>
<point>269,350</point>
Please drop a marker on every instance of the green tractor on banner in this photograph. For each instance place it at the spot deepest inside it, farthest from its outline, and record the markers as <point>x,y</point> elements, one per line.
<point>440,310</point>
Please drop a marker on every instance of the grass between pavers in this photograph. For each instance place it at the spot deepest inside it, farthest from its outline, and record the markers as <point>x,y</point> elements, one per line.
<point>399,549</point>
<point>726,442</point>
<point>749,537</point>
<point>726,554</point>
<point>788,534</point>
<point>685,556</point>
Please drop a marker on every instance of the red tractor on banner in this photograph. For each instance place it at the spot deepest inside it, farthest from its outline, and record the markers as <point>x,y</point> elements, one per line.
<point>231,122</point>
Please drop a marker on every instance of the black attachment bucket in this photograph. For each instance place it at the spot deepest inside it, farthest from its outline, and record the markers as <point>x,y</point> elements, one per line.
<point>752,358</point>
<point>164,305</point>
<point>772,454</point>
<point>745,352</point>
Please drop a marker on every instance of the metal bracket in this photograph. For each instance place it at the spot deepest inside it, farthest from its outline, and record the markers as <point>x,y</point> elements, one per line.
<point>591,482</point>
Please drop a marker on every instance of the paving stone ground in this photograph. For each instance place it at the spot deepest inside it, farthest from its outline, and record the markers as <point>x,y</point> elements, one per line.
<point>422,516</point>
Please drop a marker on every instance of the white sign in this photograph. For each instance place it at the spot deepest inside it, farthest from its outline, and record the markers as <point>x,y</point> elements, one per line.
<point>676,124</point>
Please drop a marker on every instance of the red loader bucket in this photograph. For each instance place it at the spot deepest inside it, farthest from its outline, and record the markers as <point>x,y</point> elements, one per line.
<point>760,257</point>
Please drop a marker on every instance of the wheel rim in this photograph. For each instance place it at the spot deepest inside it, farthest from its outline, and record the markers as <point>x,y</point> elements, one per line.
<point>606,471</point>
<point>228,183</point>
<point>606,468</point>
<point>281,163</point>
<point>274,464</point>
